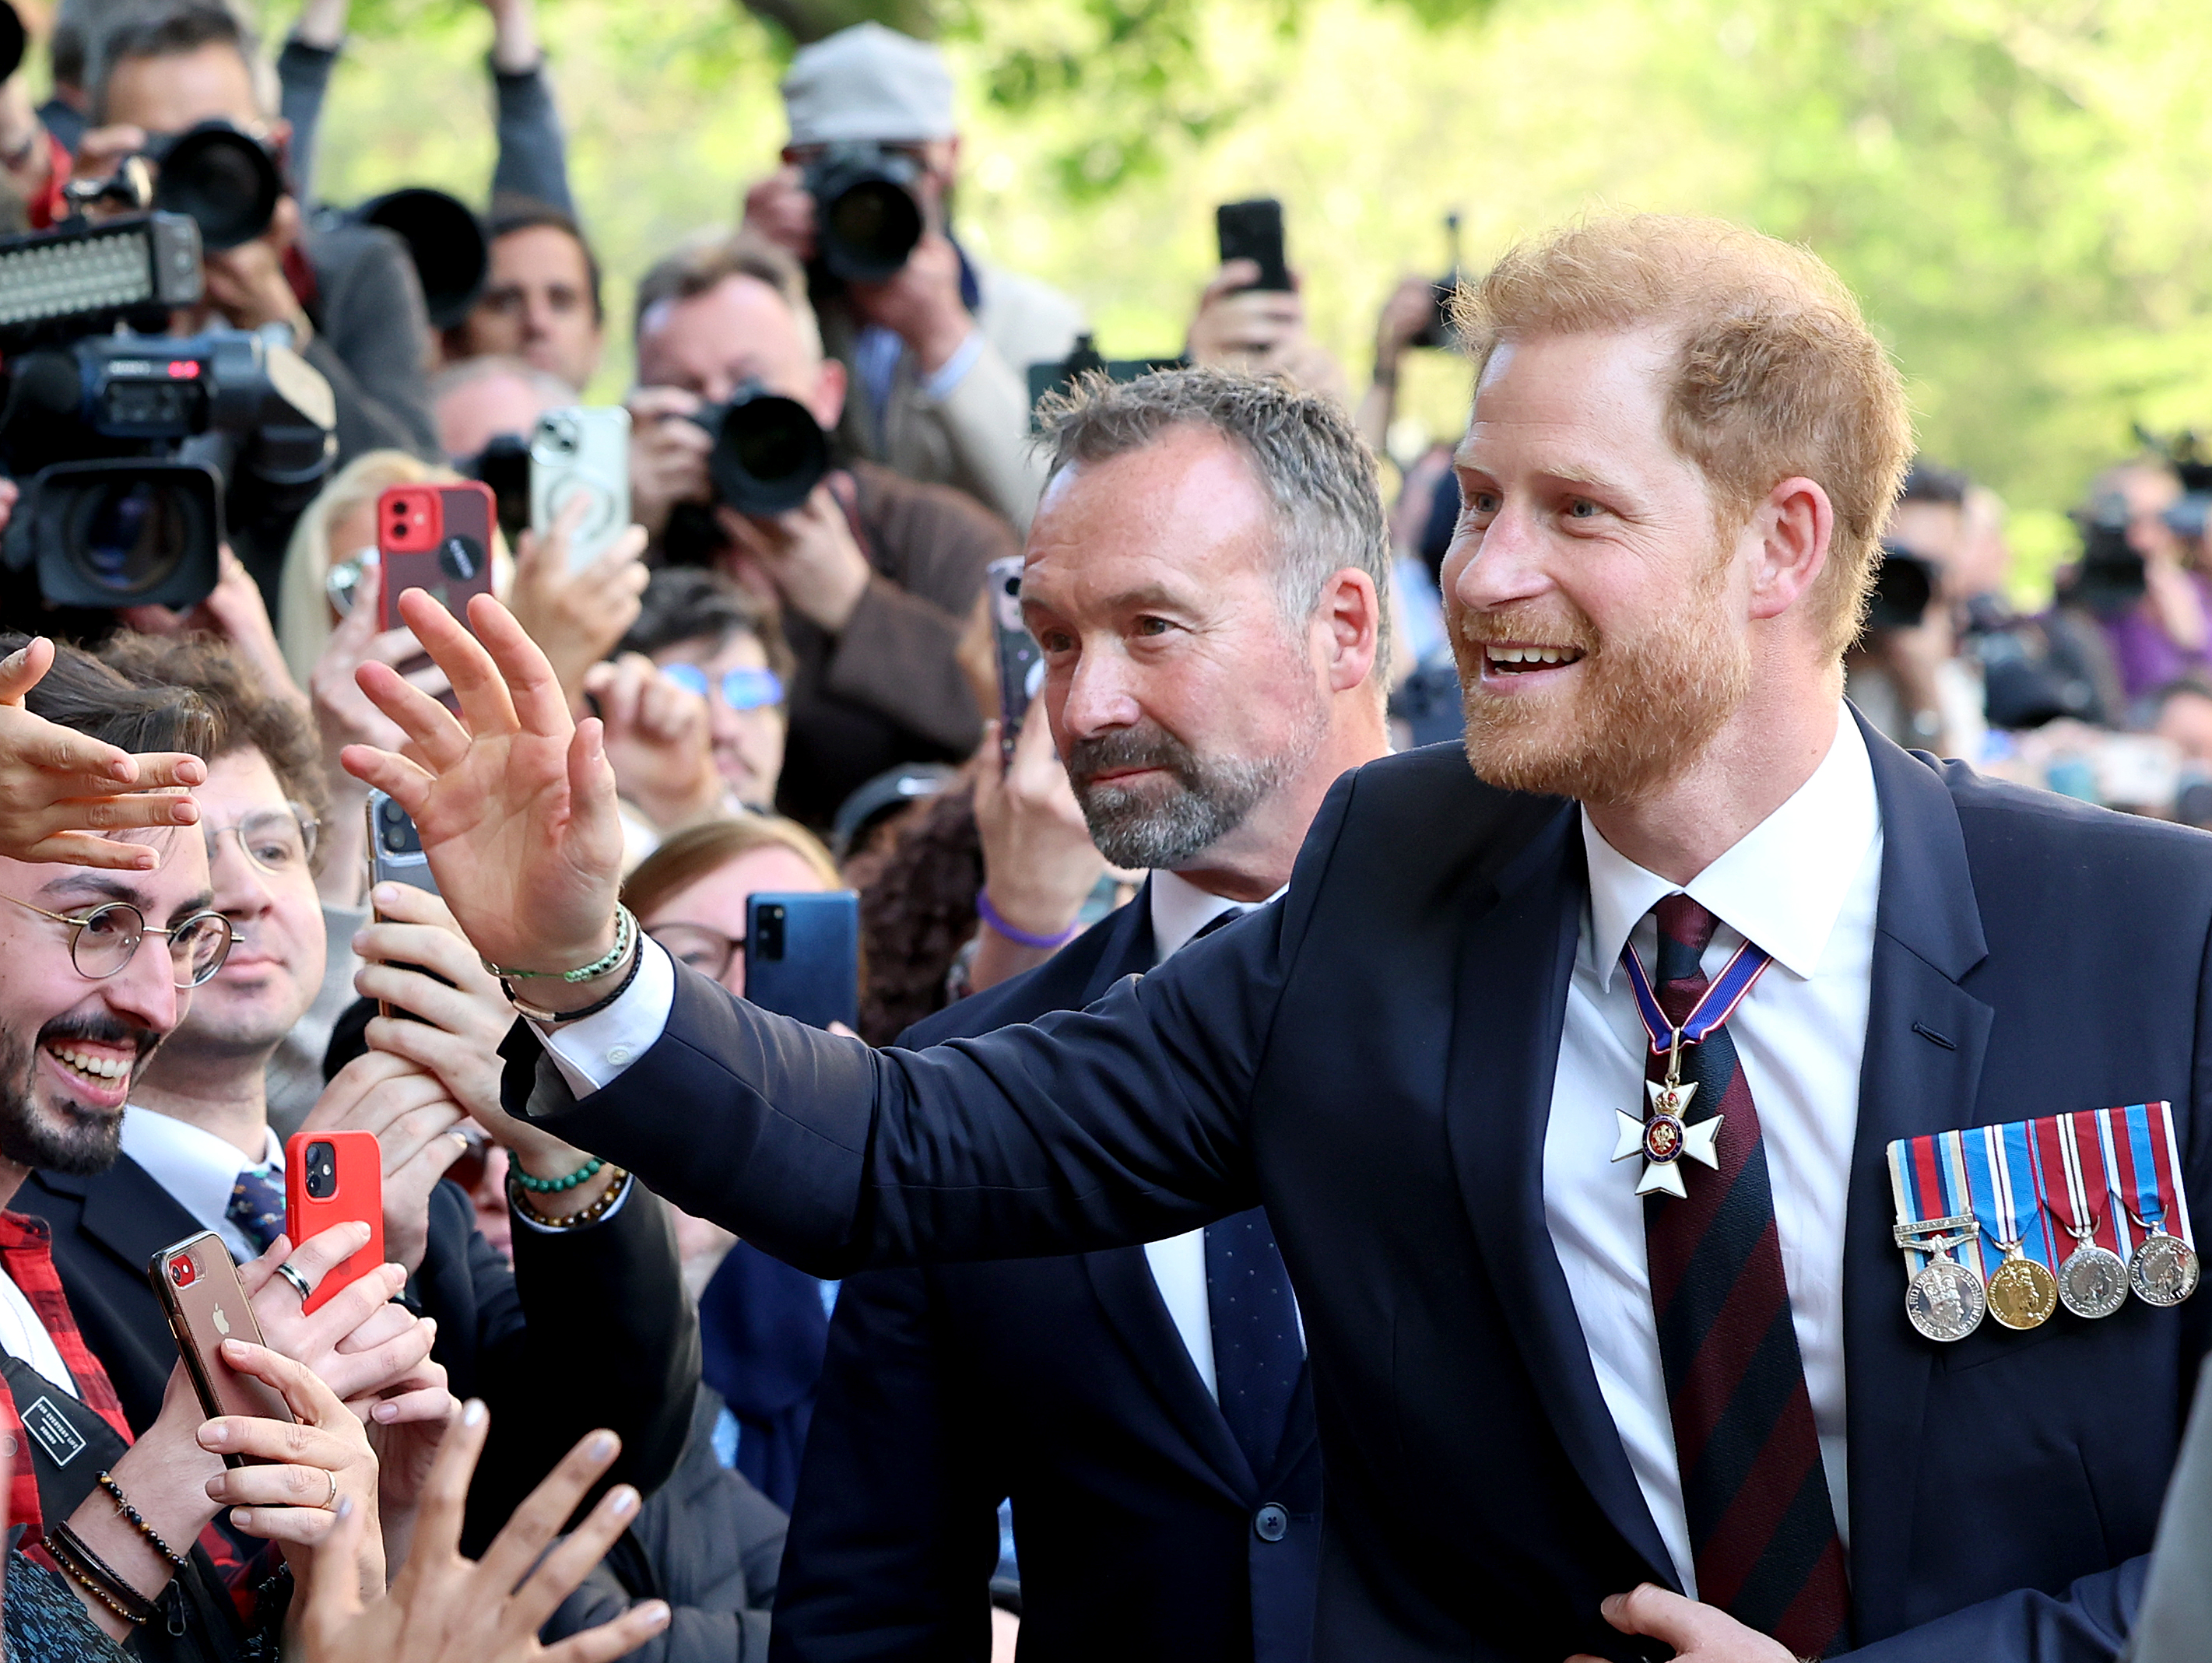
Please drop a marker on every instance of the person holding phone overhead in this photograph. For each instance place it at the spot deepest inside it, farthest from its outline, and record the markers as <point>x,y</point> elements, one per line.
<point>198,1151</point>
<point>99,961</point>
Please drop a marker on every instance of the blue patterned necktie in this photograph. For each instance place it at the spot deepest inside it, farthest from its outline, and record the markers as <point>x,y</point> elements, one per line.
<point>257,1205</point>
<point>1258,1359</point>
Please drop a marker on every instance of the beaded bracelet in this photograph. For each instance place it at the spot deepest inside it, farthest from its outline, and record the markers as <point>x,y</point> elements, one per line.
<point>106,1482</point>
<point>575,1221</point>
<point>555,1018</point>
<point>554,1185</point>
<point>625,934</point>
<point>1020,938</point>
<point>96,1574</point>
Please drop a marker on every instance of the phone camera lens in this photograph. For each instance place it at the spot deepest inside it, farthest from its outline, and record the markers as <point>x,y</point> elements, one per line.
<point>183,1273</point>
<point>322,1171</point>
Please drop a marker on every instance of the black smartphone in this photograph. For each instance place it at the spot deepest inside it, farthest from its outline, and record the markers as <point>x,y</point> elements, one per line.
<point>803,956</point>
<point>1021,660</point>
<point>1254,231</point>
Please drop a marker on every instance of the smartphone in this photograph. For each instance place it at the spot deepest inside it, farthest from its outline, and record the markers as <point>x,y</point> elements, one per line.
<point>581,450</point>
<point>196,1282</point>
<point>1021,660</point>
<point>434,538</point>
<point>1254,231</point>
<point>803,956</point>
<point>395,847</point>
<point>333,1178</point>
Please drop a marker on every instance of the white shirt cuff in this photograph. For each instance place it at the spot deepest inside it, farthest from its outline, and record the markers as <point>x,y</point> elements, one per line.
<point>590,1053</point>
<point>947,376</point>
<point>524,1221</point>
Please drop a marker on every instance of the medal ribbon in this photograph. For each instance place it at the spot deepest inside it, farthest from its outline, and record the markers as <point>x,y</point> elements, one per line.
<point>1991,1191</point>
<point>2148,1165</point>
<point>2082,1142</point>
<point>1928,1180</point>
<point>2057,1186</point>
<point>1722,997</point>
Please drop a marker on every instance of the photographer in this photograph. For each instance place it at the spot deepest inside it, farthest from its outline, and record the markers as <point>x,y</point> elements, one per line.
<point>349,293</point>
<point>1906,672</point>
<point>873,575</point>
<point>2162,632</point>
<point>938,351</point>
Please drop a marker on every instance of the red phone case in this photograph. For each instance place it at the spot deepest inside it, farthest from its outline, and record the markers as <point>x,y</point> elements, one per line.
<point>434,538</point>
<point>355,1171</point>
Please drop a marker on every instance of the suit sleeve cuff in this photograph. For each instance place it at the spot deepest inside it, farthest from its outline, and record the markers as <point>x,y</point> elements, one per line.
<point>944,380</point>
<point>591,1052</point>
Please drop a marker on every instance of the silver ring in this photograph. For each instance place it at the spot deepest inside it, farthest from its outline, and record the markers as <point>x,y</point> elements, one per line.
<point>299,1282</point>
<point>331,1501</point>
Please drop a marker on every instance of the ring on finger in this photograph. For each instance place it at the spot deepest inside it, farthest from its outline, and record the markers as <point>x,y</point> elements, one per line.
<point>299,1282</point>
<point>330,1502</point>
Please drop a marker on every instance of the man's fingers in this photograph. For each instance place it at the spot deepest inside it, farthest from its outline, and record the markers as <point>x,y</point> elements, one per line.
<point>610,1639</point>
<point>427,1404</point>
<point>322,1252</point>
<point>477,678</point>
<point>445,1495</point>
<point>1649,1609</point>
<point>387,1321</point>
<point>84,849</point>
<point>557,1577</point>
<point>21,669</point>
<point>524,1535</point>
<point>531,688</point>
<point>311,1402</point>
<point>334,1598</point>
<point>352,1374</point>
<point>402,779</point>
<point>428,725</point>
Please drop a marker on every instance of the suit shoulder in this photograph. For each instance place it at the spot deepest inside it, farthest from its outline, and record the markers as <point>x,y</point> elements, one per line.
<point>1436,786</point>
<point>2021,824</point>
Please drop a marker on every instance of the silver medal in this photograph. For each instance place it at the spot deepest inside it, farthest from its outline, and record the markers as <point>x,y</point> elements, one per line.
<point>2163,1270</point>
<point>2094,1281</point>
<point>1944,1299</point>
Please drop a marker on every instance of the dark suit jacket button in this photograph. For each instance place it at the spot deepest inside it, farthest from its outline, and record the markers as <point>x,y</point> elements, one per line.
<point>1271,1523</point>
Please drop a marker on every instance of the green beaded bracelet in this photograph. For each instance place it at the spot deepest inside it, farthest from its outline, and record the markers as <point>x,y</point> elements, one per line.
<point>554,1185</point>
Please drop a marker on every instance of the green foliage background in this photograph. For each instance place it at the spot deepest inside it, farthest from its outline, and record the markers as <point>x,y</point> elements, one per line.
<point>2015,187</point>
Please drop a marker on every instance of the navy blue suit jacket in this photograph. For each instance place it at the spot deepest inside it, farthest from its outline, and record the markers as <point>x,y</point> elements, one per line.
<point>1373,1057</point>
<point>1062,1383</point>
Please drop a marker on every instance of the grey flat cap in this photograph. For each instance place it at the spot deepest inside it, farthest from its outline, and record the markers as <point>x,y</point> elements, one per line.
<point>868,82</point>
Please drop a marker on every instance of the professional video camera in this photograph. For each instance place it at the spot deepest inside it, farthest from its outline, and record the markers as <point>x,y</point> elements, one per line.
<point>867,213</point>
<point>134,448</point>
<point>224,180</point>
<point>769,454</point>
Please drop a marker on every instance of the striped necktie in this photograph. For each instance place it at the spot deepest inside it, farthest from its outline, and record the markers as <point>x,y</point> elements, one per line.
<point>1762,1525</point>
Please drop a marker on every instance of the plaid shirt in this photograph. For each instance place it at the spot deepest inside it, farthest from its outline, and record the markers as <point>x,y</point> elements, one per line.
<point>27,1255</point>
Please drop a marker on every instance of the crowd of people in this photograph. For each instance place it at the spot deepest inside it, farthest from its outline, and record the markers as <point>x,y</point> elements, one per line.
<point>1095,1450</point>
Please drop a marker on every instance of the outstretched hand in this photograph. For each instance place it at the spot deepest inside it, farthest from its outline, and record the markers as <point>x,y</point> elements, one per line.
<point>515,800</point>
<point>60,791</point>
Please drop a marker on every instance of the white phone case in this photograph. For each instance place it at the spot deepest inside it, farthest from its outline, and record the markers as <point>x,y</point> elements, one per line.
<point>581,450</point>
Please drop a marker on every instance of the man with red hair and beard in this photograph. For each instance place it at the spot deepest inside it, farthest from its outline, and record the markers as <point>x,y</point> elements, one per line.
<point>1569,1080</point>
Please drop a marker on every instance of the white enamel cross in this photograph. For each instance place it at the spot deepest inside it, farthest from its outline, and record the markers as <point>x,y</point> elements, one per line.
<point>1664,1138</point>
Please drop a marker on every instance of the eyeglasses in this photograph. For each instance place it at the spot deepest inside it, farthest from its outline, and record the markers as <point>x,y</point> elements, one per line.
<point>742,688</point>
<point>707,951</point>
<point>106,938</point>
<point>343,582</point>
<point>280,841</point>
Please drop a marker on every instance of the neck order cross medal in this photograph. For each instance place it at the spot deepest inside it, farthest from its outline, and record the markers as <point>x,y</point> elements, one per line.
<point>1662,1135</point>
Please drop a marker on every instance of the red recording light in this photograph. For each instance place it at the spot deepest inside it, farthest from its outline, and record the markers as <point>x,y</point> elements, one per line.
<point>183,369</point>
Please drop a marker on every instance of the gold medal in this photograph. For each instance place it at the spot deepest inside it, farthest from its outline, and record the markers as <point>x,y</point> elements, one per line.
<point>2023,1293</point>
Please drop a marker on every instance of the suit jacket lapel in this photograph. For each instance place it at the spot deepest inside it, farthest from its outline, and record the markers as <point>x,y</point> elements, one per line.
<point>1122,1278</point>
<point>127,1212</point>
<point>1921,1072</point>
<point>1516,962</point>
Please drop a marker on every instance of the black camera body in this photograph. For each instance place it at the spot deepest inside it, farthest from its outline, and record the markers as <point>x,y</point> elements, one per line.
<point>2110,578</point>
<point>868,213</point>
<point>128,448</point>
<point>1904,588</point>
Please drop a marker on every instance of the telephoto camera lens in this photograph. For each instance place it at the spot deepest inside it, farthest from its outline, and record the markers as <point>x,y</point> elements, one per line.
<point>769,452</point>
<point>867,212</point>
<point>223,179</point>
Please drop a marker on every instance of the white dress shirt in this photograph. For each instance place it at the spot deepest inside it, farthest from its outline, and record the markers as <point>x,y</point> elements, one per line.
<point>1804,885</point>
<point>198,1169</point>
<point>25,1338</point>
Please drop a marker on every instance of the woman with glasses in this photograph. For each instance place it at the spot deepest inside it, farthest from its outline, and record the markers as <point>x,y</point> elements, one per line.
<point>690,895</point>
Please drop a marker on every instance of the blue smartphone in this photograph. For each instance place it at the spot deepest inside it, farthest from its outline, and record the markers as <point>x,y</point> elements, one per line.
<point>803,956</point>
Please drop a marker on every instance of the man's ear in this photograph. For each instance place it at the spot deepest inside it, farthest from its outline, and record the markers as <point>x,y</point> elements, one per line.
<point>1794,528</point>
<point>1347,628</point>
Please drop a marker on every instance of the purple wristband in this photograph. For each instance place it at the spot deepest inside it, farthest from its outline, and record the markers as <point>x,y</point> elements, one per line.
<point>989,914</point>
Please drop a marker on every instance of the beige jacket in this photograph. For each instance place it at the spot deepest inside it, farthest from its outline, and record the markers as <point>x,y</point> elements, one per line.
<point>977,437</point>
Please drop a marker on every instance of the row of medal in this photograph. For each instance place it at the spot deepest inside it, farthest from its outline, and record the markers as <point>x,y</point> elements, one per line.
<point>2015,1220</point>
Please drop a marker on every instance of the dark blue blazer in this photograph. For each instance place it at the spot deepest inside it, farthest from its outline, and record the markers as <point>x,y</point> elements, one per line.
<point>761,1335</point>
<point>1373,1057</point>
<point>1062,1383</point>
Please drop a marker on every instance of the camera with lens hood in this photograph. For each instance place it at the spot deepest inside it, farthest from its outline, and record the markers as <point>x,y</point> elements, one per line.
<point>769,454</point>
<point>868,210</point>
<point>135,449</point>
